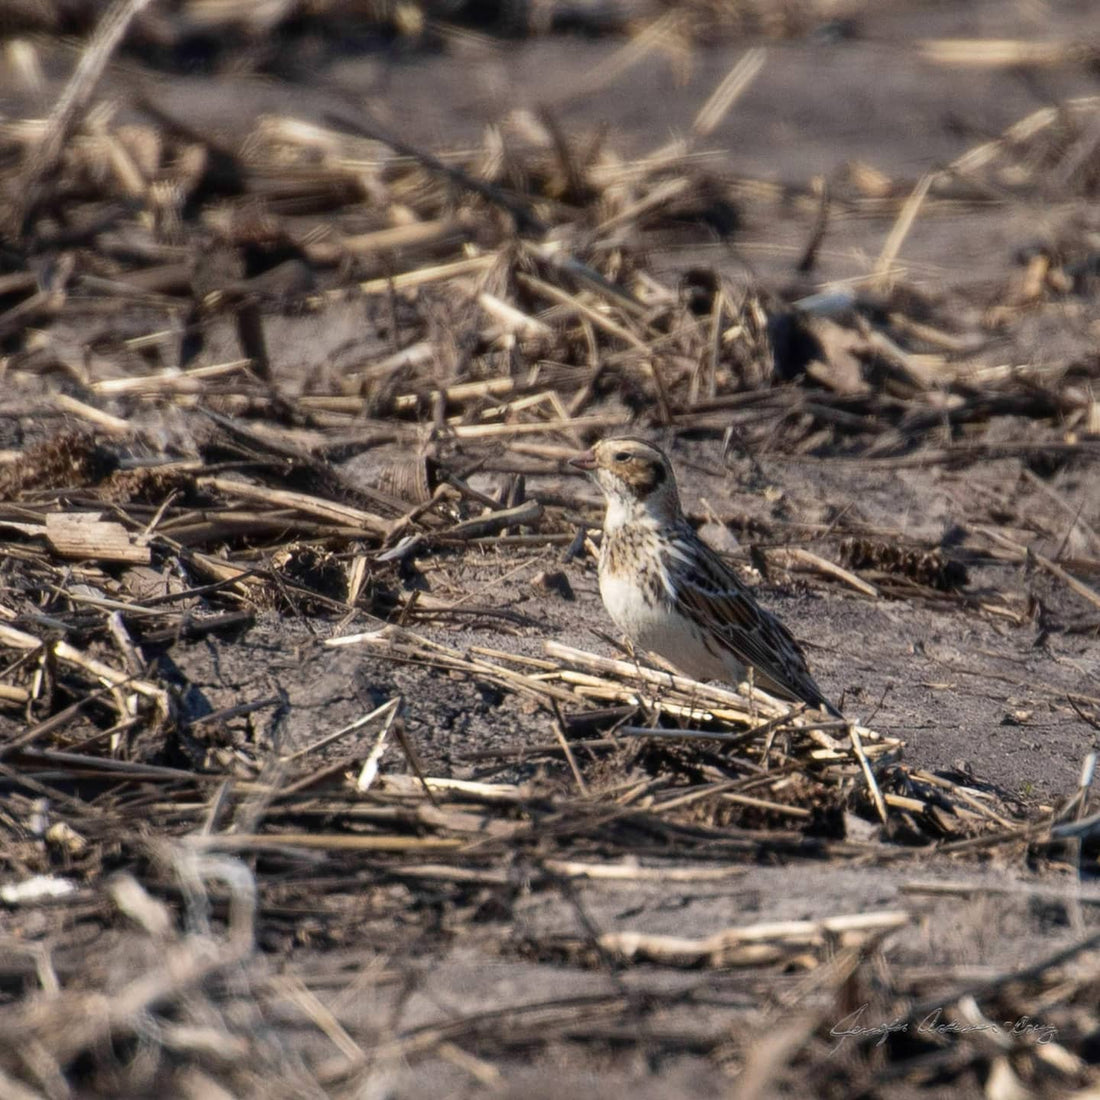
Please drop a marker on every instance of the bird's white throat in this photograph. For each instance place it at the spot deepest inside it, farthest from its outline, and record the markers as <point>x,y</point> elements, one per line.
<point>620,511</point>
<point>624,510</point>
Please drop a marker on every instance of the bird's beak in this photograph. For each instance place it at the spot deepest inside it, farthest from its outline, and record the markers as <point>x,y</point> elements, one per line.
<point>586,461</point>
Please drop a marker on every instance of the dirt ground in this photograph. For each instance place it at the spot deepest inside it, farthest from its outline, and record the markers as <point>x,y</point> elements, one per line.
<point>995,684</point>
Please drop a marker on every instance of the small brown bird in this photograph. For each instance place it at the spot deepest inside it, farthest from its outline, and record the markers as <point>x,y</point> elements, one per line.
<point>672,594</point>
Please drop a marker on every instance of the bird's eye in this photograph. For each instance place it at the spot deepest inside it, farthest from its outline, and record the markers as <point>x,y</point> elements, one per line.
<point>622,456</point>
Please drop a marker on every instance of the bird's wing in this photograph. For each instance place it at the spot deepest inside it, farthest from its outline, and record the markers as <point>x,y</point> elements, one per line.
<point>708,591</point>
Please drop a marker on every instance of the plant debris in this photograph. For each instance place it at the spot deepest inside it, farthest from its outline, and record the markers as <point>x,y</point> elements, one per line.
<point>194,900</point>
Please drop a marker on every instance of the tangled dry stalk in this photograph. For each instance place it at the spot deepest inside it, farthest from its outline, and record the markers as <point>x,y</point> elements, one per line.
<point>159,493</point>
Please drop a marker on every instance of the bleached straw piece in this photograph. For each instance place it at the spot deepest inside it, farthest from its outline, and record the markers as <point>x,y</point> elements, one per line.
<point>902,225</point>
<point>327,509</point>
<point>631,872</point>
<point>513,319</point>
<point>729,91</point>
<point>63,651</point>
<point>801,556</point>
<point>114,425</point>
<point>183,382</point>
<point>999,53</point>
<point>735,946</point>
<point>424,275</point>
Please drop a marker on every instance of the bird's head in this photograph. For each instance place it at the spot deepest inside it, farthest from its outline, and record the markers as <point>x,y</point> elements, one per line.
<point>636,477</point>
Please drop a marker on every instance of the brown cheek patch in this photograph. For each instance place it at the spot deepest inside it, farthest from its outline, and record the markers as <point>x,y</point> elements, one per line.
<point>644,477</point>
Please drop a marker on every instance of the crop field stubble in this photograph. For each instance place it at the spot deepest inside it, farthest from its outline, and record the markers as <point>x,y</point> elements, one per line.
<point>322,771</point>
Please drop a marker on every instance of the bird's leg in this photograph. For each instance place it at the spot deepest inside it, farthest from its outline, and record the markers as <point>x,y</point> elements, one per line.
<point>632,653</point>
